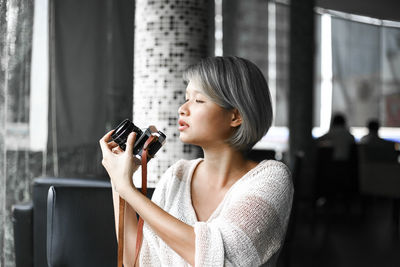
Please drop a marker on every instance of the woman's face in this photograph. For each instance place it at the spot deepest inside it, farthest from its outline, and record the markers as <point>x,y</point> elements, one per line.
<point>201,121</point>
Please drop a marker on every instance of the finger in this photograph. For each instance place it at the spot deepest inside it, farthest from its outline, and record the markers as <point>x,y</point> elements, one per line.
<point>117,150</point>
<point>130,142</point>
<point>112,145</point>
<point>103,142</point>
<point>106,138</point>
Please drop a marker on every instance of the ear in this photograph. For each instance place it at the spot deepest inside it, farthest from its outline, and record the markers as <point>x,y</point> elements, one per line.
<point>236,118</point>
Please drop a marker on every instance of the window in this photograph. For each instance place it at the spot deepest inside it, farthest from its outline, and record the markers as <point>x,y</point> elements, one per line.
<point>359,72</point>
<point>356,72</point>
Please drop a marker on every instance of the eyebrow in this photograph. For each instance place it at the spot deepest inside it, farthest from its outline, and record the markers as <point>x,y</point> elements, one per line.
<point>193,92</point>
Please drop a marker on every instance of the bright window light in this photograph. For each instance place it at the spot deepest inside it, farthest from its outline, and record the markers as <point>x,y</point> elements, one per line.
<point>39,95</point>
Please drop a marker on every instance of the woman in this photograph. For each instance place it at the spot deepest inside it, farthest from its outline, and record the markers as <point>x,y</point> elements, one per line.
<point>222,209</point>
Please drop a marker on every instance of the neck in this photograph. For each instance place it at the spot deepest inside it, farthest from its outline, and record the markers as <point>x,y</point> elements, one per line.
<point>223,166</point>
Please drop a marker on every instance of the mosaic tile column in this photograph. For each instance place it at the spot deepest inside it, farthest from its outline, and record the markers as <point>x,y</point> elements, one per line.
<point>169,36</point>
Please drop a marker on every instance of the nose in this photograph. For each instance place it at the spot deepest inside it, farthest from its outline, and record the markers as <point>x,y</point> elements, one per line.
<point>183,109</point>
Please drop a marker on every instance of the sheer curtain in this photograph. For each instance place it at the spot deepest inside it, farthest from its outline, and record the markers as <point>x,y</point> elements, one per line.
<point>390,110</point>
<point>18,165</point>
<point>91,77</point>
<point>356,49</point>
<point>365,72</point>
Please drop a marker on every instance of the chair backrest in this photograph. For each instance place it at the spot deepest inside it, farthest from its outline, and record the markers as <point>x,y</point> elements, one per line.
<point>40,189</point>
<point>383,152</point>
<point>80,226</point>
<point>336,177</point>
<point>23,234</point>
<point>376,176</point>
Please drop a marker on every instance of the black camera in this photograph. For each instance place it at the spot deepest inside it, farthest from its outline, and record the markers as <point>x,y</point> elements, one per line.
<point>121,132</point>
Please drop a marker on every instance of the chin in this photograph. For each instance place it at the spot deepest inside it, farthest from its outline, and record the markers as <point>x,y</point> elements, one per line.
<point>187,140</point>
<point>182,138</point>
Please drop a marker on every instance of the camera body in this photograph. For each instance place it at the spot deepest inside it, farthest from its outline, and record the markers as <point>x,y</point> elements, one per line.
<point>121,132</point>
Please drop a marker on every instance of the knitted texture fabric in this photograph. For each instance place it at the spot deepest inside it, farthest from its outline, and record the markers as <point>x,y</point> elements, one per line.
<point>246,229</point>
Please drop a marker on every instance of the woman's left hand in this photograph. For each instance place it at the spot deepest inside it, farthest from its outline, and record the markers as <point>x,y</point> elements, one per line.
<point>119,164</point>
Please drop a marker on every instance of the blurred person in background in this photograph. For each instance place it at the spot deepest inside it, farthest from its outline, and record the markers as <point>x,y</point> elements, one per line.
<point>379,148</point>
<point>339,138</point>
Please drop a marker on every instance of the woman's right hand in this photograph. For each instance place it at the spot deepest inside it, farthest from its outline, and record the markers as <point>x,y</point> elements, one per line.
<point>120,165</point>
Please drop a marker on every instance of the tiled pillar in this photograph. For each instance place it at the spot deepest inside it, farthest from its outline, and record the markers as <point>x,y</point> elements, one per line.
<point>169,36</point>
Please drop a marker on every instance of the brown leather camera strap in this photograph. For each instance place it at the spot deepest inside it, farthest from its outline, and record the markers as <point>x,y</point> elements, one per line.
<point>121,226</point>
<point>139,235</point>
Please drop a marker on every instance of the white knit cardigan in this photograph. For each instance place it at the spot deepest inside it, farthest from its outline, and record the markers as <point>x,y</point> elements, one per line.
<point>246,229</point>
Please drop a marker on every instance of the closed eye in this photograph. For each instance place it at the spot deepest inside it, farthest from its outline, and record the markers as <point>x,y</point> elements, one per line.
<point>199,101</point>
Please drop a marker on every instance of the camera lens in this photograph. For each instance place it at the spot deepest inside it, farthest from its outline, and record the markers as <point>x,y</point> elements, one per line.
<point>121,133</point>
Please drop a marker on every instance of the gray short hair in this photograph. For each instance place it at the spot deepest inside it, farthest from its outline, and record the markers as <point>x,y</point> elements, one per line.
<point>233,82</point>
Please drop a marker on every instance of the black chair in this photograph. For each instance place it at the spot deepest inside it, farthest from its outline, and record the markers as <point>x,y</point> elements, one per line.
<point>30,222</point>
<point>336,180</point>
<point>79,224</point>
<point>23,234</point>
<point>379,177</point>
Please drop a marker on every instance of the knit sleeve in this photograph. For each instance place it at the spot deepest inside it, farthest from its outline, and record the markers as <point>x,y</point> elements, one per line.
<point>158,196</point>
<point>209,245</point>
<point>252,226</point>
<point>151,246</point>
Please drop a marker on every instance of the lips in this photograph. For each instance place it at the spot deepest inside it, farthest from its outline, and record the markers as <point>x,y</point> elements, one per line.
<point>182,125</point>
